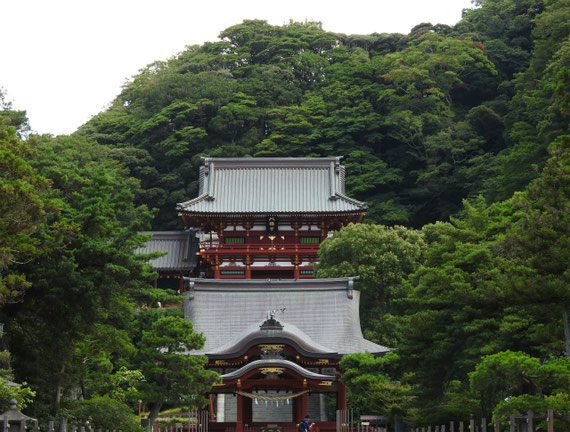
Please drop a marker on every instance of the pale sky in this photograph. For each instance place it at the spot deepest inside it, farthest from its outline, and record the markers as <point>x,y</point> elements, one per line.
<point>63,61</point>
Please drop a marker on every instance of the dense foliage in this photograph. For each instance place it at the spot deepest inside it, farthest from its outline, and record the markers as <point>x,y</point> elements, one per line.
<point>381,257</point>
<point>457,137</point>
<point>423,120</point>
<point>75,331</point>
<point>23,203</point>
<point>493,281</point>
<point>505,269</point>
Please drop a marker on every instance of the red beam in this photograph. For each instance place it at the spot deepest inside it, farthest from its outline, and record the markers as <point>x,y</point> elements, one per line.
<point>290,384</point>
<point>244,249</point>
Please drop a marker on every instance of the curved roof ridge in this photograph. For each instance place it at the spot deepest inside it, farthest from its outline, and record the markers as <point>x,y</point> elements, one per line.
<point>276,363</point>
<point>255,334</point>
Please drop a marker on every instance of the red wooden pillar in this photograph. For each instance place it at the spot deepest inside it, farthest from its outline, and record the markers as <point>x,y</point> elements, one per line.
<point>341,396</point>
<point>295,410</point>
<point>248,271</point>
<point>303,406</point>
<point>217,272</point>
<point>211,406</point>
<point>300,406</point>
<point>239,422</point>
<point>247,411</point>
<point>297,273</point>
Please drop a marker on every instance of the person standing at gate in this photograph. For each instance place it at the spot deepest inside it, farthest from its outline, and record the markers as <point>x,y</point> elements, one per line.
<point>307,423</point>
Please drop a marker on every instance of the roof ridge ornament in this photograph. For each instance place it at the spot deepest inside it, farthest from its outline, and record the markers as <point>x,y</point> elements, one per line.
<point>271,323</point>
<point>350,286</point>
<point>189,285</point>
<point>332,181</point>
<point>211,182</point>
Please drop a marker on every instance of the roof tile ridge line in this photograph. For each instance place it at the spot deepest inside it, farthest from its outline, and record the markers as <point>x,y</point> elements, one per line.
<point>248,163</point>
<point>180,206</point>
<point>270,159</point>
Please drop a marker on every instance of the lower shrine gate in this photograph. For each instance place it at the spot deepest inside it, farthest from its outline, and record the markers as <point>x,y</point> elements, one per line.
<point>277,345</point>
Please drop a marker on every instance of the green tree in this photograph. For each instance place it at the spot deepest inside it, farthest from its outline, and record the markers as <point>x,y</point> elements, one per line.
<point>514,382</point>
<point>537,113</point>
<point>540,243</point>
<point>372,387</point>
<point>382,257</point>
<point>455,303</point>
<point>103,412</point>
<point>171,375</point>
<point>87,280</point>
<point>24,204</point>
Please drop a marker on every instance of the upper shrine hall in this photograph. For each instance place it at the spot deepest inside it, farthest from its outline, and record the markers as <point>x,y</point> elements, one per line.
<point>266,217</point>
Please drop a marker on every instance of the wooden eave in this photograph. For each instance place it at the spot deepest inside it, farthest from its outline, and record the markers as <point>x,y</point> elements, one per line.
<point>200,220</point>
<point>244,377</point>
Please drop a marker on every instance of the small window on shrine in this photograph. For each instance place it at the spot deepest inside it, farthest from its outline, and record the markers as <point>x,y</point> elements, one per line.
<point>234,240</point>
<point>310,240</point>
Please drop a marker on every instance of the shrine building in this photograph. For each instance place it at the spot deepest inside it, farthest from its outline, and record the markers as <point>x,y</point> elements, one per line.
<point>266,217</point>
<point>273,331</point>
<point>277,345</point>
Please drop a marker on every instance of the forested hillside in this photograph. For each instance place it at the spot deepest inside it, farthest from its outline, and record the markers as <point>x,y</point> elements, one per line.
<point>456,136</point>
<point>423,120</point>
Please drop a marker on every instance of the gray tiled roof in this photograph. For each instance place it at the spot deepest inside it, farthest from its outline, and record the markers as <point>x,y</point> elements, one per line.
<point>326,310</point>
<point>271,185</point>
<point>180,246</point>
